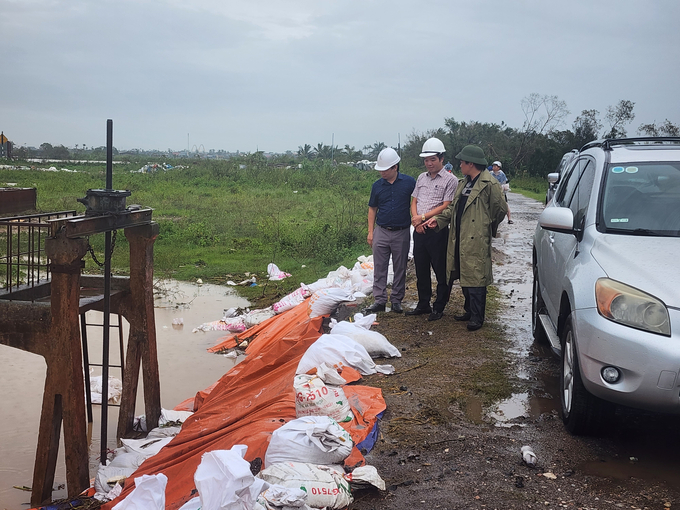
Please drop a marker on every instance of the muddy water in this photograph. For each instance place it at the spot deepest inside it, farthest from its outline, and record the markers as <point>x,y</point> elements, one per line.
<point>184,364</point>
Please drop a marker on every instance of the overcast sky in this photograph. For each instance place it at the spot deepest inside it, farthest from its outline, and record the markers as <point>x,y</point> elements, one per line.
<point>276,74</point>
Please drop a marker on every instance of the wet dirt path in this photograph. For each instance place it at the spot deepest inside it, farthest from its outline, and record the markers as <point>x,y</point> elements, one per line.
<point>513,277</point>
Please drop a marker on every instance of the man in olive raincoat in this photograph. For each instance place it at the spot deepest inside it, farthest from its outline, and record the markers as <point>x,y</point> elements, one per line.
<point>474,214</point>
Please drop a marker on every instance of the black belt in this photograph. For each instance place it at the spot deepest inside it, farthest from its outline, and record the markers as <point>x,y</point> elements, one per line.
<point>392,228</point>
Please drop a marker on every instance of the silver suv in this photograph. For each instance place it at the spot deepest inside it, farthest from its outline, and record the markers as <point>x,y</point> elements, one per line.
<point>554,177</point>
<point>606,292</point>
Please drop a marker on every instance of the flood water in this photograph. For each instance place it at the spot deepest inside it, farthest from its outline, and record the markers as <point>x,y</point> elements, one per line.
<point>184,364</point>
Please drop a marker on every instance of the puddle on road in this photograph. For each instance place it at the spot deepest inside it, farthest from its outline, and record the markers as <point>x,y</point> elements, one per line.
<point>184,364</point>
<point>653,469</point>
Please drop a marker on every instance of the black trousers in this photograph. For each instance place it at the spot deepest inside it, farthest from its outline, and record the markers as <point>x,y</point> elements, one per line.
<point>429,250</point>
<point>475,303</point>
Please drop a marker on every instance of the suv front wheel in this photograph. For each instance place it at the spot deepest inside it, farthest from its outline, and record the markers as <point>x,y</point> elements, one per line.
<point>582,412</point>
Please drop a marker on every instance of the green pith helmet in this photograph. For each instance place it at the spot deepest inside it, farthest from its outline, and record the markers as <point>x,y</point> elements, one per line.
<point>473,154</point>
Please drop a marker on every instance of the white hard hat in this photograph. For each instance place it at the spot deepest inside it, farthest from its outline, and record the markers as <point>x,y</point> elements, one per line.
<point>432,147</point>
<point>387,158</point>
<point>497,163</point>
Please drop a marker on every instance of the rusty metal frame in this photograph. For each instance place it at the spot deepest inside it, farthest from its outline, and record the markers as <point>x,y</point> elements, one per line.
<point>25,249</point>
<point>82,226</point>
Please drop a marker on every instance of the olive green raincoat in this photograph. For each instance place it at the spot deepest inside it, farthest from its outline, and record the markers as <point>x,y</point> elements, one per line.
<point>484,210</point>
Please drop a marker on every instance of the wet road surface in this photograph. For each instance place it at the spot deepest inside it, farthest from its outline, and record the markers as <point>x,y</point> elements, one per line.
<point>639,445</point>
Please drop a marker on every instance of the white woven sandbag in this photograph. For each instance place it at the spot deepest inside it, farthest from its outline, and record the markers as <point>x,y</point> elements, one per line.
<point>224,480</point>
<point>278,497</point>
<point>325,486</point>
<point>340,351</point>
<point>375,343</point>
<point>314,439</point>
<point>254,317</point>
<point>325,301</point>
<point>313,397</point>
<point>292,300</point>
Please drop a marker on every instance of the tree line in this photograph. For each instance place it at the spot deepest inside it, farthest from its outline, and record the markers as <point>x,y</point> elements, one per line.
<point>533,150</point>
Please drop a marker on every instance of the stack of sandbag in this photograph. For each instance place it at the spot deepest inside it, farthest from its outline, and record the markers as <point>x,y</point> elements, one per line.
<point>359,279</point>
<point>237,323</point>
<point>307,453</point>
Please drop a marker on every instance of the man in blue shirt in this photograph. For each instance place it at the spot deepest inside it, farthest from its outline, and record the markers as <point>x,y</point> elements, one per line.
<point>389,222</point>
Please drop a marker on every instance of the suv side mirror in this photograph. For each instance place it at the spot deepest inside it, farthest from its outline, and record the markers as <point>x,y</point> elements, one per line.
<point>557,219</point>
<point>552,177</point>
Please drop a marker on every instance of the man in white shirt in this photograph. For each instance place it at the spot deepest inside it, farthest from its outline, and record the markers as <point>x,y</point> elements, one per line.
<point>433,193</point>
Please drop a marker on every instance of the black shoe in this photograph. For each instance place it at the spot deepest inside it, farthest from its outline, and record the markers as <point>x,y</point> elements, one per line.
<point>435,316</point>
<point>374,308</point>
<point>418,311</point>
<point>396,308</point>
<point>465,317</point>
<point>474,326</point>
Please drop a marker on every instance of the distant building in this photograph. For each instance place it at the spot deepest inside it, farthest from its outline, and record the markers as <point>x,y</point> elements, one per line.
<point>5,147</point>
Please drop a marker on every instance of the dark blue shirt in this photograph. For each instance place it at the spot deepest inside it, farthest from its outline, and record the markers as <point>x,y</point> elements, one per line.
<point>393,201</point>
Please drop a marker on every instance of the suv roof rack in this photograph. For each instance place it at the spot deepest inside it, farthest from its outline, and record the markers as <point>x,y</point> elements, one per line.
<point>607,143</point>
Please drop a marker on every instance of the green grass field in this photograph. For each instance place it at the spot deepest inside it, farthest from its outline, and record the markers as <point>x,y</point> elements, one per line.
<point>220,220</point>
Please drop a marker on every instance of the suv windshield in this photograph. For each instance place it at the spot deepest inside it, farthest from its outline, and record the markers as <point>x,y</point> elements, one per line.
<point>642,198</point>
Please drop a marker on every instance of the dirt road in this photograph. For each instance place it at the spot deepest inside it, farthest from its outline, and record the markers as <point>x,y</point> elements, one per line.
<point>462,405</point>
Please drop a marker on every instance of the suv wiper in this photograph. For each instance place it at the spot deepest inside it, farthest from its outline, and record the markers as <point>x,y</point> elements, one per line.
<point>639,232</point>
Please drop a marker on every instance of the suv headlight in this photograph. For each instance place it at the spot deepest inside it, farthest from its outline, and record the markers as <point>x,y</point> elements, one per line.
<point>631,307</point>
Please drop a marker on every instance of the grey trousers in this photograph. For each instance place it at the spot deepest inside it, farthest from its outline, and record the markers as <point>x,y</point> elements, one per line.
<point>386,243</point>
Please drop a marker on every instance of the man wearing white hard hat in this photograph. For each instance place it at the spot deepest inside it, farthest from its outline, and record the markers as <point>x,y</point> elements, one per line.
<point>433,193</point>
<point>504,181</point>
<point>389,222</point>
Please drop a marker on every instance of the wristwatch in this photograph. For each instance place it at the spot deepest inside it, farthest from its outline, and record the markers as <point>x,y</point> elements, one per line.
<point>423,218</point>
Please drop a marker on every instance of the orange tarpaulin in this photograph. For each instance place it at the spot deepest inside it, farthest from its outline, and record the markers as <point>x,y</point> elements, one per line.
<point>265,331</point>
<point>247,404</point>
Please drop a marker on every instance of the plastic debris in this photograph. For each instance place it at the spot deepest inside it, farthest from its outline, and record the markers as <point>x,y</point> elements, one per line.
<point>229,313</point>
<point>275,273</point>
<point>528,456</point>
<point>115,389</point>
<point>149,494</point>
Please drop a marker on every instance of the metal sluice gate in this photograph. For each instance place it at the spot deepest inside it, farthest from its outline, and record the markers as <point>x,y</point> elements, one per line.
<point>43,302</point>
